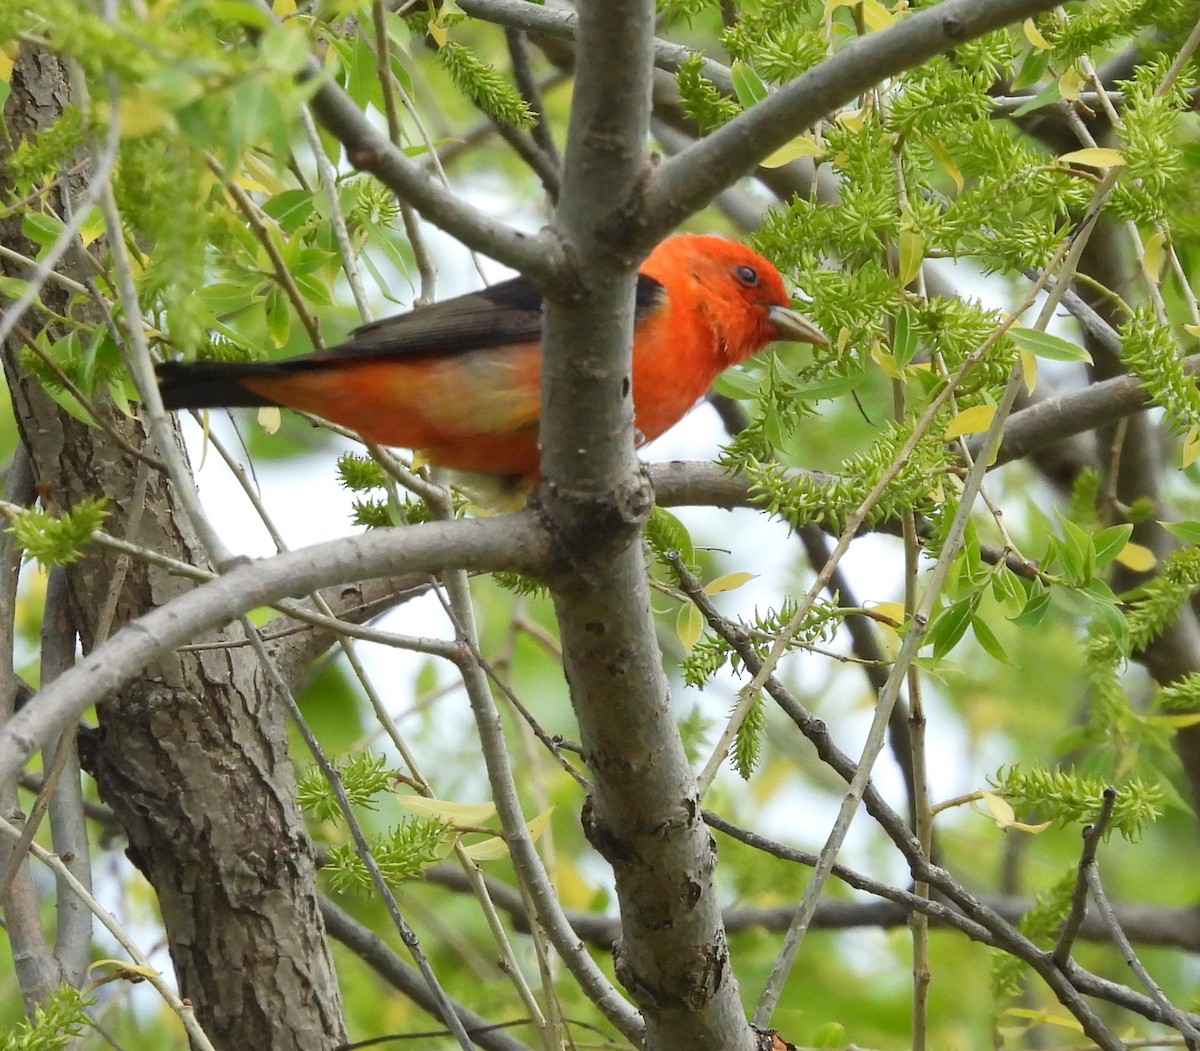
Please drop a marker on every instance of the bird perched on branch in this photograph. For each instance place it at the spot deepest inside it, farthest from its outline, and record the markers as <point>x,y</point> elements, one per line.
<point>460,381</point>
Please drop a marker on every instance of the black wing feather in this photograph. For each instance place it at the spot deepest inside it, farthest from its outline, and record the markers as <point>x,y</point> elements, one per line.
<point>508,312</point>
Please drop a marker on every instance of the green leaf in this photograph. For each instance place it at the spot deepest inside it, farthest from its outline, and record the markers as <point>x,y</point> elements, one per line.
<point>664,533</point>
<point>1045,345</point>
<point>904,341</point>
<point>1046,97</point>
<point>833,387</point>
<point>290,209</point>
<point>950,626</point>
<point>41,228</point>
<point>241,11</point>
<point>13,287</point>
<point>747,85</point>
<point>988,641</point>
<point>284,49</point>
<point>1188,532</point>
<point>738,383</point>
<point>1034,611</point>
<point>1005,588</point>
<point>279,316</point>
<point>1031,70</point>
<point>315,288</point>
<point>1109,542</point>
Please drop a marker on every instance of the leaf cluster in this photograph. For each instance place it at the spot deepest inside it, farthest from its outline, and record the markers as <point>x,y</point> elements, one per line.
<point>402,854</point>
<point>58,540</point>
<point>485,86</point>
<point>700,98</point>
<point>746,749</point>
<point>780,40</point>
<point>55,1025</point>
<point>713,652</point>
<point>797,498</point>
<point>1149,349</point>
<point>363,776</point>
<point>1070,797</point>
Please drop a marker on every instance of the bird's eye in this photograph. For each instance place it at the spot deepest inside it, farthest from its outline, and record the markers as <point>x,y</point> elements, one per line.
<point>747,275</point>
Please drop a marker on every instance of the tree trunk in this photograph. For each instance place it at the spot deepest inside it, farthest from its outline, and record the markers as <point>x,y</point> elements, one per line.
<point>193,757</point>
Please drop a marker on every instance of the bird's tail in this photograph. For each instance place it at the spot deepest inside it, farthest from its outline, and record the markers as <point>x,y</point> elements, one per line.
<point>211,384</point>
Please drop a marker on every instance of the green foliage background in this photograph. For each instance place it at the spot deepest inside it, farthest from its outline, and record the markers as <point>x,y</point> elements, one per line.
<point>1031,672</point>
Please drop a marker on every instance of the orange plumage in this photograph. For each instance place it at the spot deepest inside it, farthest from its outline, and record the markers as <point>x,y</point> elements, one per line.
<point>460,380</point>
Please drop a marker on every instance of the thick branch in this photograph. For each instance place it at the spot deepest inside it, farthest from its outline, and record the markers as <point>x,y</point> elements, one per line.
<point>512,542</point>
<point>1149,925</point>
<point>643,814</point>
<point>684,184</point>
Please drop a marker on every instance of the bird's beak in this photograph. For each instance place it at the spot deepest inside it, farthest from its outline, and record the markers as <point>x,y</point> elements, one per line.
<point>794,326</point>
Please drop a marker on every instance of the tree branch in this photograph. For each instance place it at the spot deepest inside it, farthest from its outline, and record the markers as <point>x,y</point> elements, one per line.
<point>642,815</point>
<point>684,184</point>
<point>511,542</point>
<point>374,951</point>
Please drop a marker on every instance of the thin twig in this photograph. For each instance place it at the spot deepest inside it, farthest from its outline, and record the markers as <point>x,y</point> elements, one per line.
<point>182,1008</point>
<point>526,860</point>
<point>361,846</point>
<point>1093,835</point>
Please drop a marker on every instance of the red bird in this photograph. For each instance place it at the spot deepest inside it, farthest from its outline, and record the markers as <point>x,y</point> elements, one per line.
<point>460,380</point>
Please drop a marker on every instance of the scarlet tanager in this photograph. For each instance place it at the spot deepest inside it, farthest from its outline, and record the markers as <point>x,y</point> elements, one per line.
<point>459,380</point>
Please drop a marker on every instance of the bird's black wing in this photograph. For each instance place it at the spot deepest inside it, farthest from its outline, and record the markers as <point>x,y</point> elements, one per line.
<point>508,312</point>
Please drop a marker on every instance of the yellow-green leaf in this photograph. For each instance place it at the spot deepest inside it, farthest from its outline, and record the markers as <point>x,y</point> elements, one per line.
<point>875,15</point>
<point>943,158</point>
<point>1034,36</point>
<point>803,146</point>
<point>892,613</point>
<point>456,814</point>
<point>1044,1017</point>
<point>912,254</point>
<point>1028,369</point>
<point>974,420</point>
<point>852,118</point>
<point>1171,722</point>
<point>1094,157</point>
<point>538,824</point>
<point>1137,557</point>
<point>885,361</point>
<point>495,848</point>
<point>728,582</point>
<point>492,849</point>
<point>1154,255</point>
<point>999,810</point>
<point>688,626</point>
<point>1193,330</point>
<point>1070,84</point>
<point>93,226</point>
<point>141,115</point>
<point>123,969</point>
<point>438,30</point>
<point>1191,446</point>
<point>270,419</point>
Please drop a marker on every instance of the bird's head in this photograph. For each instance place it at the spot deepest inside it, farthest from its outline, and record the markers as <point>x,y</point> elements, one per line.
<point>741,292</point>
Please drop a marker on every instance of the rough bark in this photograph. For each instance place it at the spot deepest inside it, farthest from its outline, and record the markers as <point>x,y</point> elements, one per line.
<point>192,757</point>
